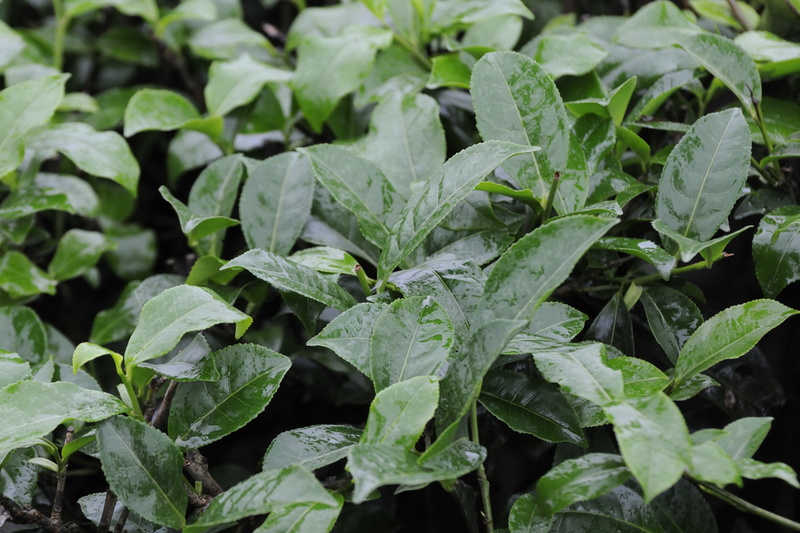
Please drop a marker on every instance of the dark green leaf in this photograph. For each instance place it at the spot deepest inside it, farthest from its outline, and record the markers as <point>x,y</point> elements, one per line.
<point>776,251</point>
<point>682,509</point>
<point>582,478</point>
<point>672,317</point>
<point>621,510</point>
<point>448,70</point>
<point>526,517</point>
<point>193,225</point>
<point>214,194</point>
<point>613,326</point>
<point>311,447</point>
<point>205,412</point>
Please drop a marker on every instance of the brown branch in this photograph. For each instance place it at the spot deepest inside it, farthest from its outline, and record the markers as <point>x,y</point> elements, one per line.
<point>160,415</point>
<point>61,479</point>
<point>108,512</point>
<point>29,515</point>
<point>123,517</point>
<point>196,467</point>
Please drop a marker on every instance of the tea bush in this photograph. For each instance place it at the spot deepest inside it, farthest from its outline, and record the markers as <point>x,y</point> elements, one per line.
<point>431,265</point>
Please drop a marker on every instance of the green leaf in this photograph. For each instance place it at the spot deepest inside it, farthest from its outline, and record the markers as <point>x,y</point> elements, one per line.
<point>22,332</point>
<point>688,247</point>
<point>263,493</point>
<point>410,121</point>
<point>776,251</point>
<point>144,469</point>
<point>610,513</point>
<point>712,464</point>
<point>744,436</point>
<point>572,54</point>
<point>672,317</point>
<point>189,150</point>
<point>77,252</point>
<point>752,469</point>
<point>32,409</point>
<point>311,447</point>
<point>531,406</point>
<point>516,101</point>
<point>531,269</point>
<point>399,413</point>
<point>175,312</point>
<point>582,372</point>
<point>350,333</point>
<point>13,368</point>
<point>147,9</point>
<point>103,154</point>
<point>235,83</point>
<point>691,387</point>
<point>704,174</point>
<point>654,441</point>
<point>19,277</point>
<point>462,383</point>
<point>19,477</point>
<point>195,226</point>
<point>193,362</point>
<point>162,110</point>
<point>358,185</point>
<point>411,337</point>
<point>326,260</point>
<point>11,44</point>
<point>429,205</point>
<point>120,321</point>
<point>728,335</point>
<point>613,326</point>
<point>683,509</point>
<point>448,70</point>
<point>302,518</point>
<point>643,249</point>
<point>656,25</point>
<point>342,61</point>
<point>376,465</point>
<point>640,377</point>
<point>227,39</point>
<point>24,106</point>
<point>290,276</point>
<point>582,478</point>
<point>451,14</point>
<point>526,517</point>
<point>774,56</point>
<point>729,63</point>
<point>187,10</point>
<point>554,320</point>
<point>276,202</point>
<point>86,351</point>
<point>205,412</point>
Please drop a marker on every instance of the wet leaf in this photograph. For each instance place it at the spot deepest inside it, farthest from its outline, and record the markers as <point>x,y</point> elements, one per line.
<point>22,332</point>
<point>565,55</point>
<point>526,517</point>
<point>192,363</point>
<point>683,509</point>
<point>77,251</point>
<point>776,251</point>
<point>13,368</point>
<point>399,413</point>
<point>582,478</point>
<point>302,518</point>
<point>728,335</point>
<point>311,447</point>
<point>18,477</point>
<point>193,225</point>
<point>582,372</point>
<point>143,468</point>
<point>640,377</point>
<point>19,277</point>
<point>752,469</point>
<point>276,202</point>
<point>227,39</point>
<point>349,335</point>
<point>326,260</point>
<point>672,317</point>
<point>711,463</point>
<point>622,507</point>
<point>613,326</point>
<point>643,249</point>
<point>214,194</point>
<point>205,412</point>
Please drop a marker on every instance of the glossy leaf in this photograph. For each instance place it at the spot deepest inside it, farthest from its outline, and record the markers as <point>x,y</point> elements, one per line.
<point>227,39</point>
<point>640,377</point>
<point>412,337</point>
<point>608,513</point>
<point>557,321</point>
<point>19,277</point>
<point>77,251</point>
<point>326,260</point>
<point>613,325</point>
<point>683,509</point>
<point>22,332</point>
<point>162,110</point>
<point>92,506</point>
<point>359,186</point>
<point>205,412</point>
<point>19,477</point>
<point>236,83</point>
<point>13,368</point>
<point>302,518</point>
<point>276,202</point>
<point>193,362</point>
<point>399,413</point>
<point>175,312</point>
<point>350,334</point>
<point>672,317</point>
<point>290,276</point>
<point>448,14</point>
<point>582,478</point>
<point>752,469</point>
<point>654,441</point>
<point>528,405</point>
<point>744,436</point>
<point>728,335</point>
<point>711,463</point>
<point>526,517</point>
<point>86,351</point>
<point>22,107</point>
<point>776,251</point>
<point>643,249</point>
<point>448,70</point>
<point>704,174</point>
<point>462,383</point>
<point>429,205</point>
<point>565,55</point>
<point>195,226</point>
<point>531,269</point>
<point>311,447</point>
<point>263,493</point>
<point>691,387</point>
<point>143,468</point>
<point>688,247</point>
<point>656,25</point>
<point>583,373</point>
<point>32,409</point>
<point>516,101</point>
<point>214,194</point>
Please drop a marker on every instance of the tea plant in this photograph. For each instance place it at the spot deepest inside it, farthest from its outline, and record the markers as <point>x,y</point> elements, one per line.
<point>436,245</point>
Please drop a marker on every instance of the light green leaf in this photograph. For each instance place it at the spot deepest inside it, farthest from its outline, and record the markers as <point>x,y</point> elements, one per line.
<point>19,277</point>
<point>643,249</point>
<point>654,441</point>
<point>704,174</point>
<point>342,61</point>
<point>189,150</point>
<point>448,70</point>
<point>194,362</point>
<point>557,321</point>
<point>147,9</point>
<point>11,44</point>
<point>290,276</point>
<point>531,406</point>
<point>582,478</point>
<point>711,463</point>
<point>744,436</point>
<point>531,269</point>
<point>263,493</point>
<point>582,372</point>
<point>752,469</point>
<point>276,202</point>
<point>228,39</point>
<point>349,335</point>
<point>162,110</point>
<point>32,409</point>
<point>77,251</point>
<point>302,518</point>
<point>452,14</point>
<point>235,83</point>
<point>22,332</point>
<point>326,260</point>
<point>691,387</point>
<point>774,56</point>
<point>205,412</point>
<point>24,106</point>
<point>195,226</point>
<point>399,413</point>
<point>358,185</point>
<point>430,204</point>
<point>640,377</point>
<point>571,54</point>
<point>688,247</point>
<point>656,25</point>
<point>175,312</point>
<point>672,317</point>
<point>311,447</point>
<point>144,469</point>
<point>86,351</point>
<point>187,10</point>
<point>13,368</point>
<point>411,337</point>
<point>728,335</point>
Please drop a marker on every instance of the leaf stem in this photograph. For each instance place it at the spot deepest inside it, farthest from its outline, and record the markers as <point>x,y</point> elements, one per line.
<point>550,198</point>
<point>762,126</point>
<point>482,479</point>
<point>745,506</point>
<point>680,270</point>
<point>362,278</point>
<point>62,22</point>
<point>739,14</point>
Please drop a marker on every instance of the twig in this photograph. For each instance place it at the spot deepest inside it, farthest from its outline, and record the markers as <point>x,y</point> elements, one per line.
<point>150,402</point>
<point>29,515</point>
<point>159,417</point>
<point>739,14</point>
<point>195,500</point>
<point>108,512</point>
<point>745,506</point>
<point>196,467</point>
<point>483,480</point>
<point>123,517</point>
<point>61,478</point>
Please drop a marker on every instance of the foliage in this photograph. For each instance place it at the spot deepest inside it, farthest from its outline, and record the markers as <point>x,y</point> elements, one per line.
<point>420,243</point>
